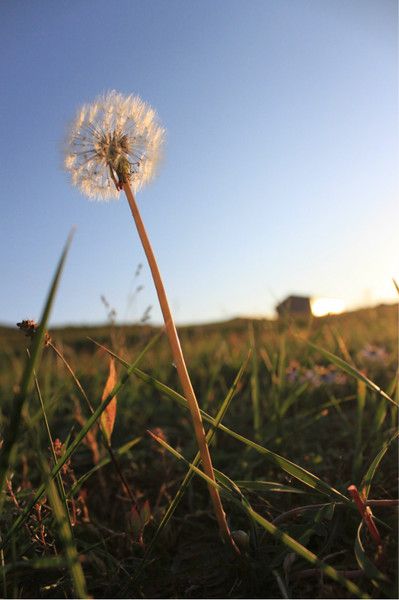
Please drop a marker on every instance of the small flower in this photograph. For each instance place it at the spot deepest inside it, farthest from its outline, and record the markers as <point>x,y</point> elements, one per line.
<point>312,377</point>
<point>374,354</point>
<point>114,140</point>
<point>292,371</point>
<point>30,328</point>
<point>321,375</point>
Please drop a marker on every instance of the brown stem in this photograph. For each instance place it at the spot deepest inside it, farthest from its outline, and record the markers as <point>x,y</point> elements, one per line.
<point>382,502</point>
<point>180,365</point>
<point>294,512</point>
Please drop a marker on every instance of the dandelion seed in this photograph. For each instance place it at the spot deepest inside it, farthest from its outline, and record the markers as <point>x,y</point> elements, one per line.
<point>115,140</point>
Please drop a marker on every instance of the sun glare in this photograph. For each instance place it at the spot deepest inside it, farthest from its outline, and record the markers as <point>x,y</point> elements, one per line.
<point>326,306</point>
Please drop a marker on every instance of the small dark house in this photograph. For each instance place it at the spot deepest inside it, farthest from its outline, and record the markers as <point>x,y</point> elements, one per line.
<point>294,306</point>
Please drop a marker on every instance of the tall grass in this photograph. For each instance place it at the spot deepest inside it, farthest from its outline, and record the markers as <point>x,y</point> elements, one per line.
<point>292,426</point>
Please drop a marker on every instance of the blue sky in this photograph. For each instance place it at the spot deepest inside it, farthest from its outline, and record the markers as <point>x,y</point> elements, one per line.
<point>280,168</point>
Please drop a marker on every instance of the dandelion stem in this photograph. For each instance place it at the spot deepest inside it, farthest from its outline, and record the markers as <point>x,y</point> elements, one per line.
<point>180,365</point>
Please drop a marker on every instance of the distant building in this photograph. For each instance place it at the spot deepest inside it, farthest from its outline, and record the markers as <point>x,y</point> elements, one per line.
<point>305,306</point>
<point>295,306</point>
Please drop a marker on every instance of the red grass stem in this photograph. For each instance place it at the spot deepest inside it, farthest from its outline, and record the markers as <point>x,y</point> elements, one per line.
<point>366,513</point>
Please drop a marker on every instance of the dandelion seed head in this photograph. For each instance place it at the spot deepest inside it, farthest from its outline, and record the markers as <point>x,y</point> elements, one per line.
<point>115,135</point>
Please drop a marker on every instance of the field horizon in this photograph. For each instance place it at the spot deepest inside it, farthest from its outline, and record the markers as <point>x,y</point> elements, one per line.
<point>310,413</point>
<point>239,321</point>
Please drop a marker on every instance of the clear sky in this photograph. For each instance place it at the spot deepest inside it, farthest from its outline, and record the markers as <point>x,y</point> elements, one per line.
<point>280,168</point>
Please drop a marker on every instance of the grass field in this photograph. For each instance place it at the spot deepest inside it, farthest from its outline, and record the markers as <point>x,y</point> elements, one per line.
<point>299,427</point>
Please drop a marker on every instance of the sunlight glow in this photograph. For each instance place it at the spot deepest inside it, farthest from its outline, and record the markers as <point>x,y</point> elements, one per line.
<point>326,306</point>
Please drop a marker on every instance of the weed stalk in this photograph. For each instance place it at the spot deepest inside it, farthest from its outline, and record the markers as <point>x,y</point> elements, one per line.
<point>180,365</point>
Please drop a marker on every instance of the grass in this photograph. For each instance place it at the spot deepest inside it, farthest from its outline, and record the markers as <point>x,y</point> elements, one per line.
<point>295,412</point>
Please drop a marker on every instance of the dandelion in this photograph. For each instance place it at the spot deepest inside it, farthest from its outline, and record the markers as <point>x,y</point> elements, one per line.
<point>115,144</point>
<point>115,140</point>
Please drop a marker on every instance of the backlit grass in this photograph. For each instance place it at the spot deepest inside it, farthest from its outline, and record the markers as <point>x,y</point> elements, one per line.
<point>296,412</point>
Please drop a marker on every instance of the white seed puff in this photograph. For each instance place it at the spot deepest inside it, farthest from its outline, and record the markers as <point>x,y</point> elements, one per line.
<point>114,130</point>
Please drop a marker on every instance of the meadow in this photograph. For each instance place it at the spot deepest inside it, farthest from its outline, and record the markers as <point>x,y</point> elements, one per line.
<point>296,412</point>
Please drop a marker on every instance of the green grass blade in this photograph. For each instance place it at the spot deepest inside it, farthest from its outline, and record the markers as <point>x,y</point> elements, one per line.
<point>255,395</point>
<point>286,465</point>
<point>186,481</point>
<point>340,342</point>
<point>11,434</point>
<point>306,554</point>
<point>268,486</point>
<point>65,533</point>
<point>292,398</point>
<point>105,461</point>
<point>105,438</point>
<point>72,374</point>
<point>350,370</point>
<point>76,442</point>
<point>365,563</point>
<point>229,485</point>
<point>369,475</point>
<point>358,451</point>
<point>281,365</point>
<point>51,444</point>
<point>45,563</point>
<point>392,388</point>
<point>282,537</point>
